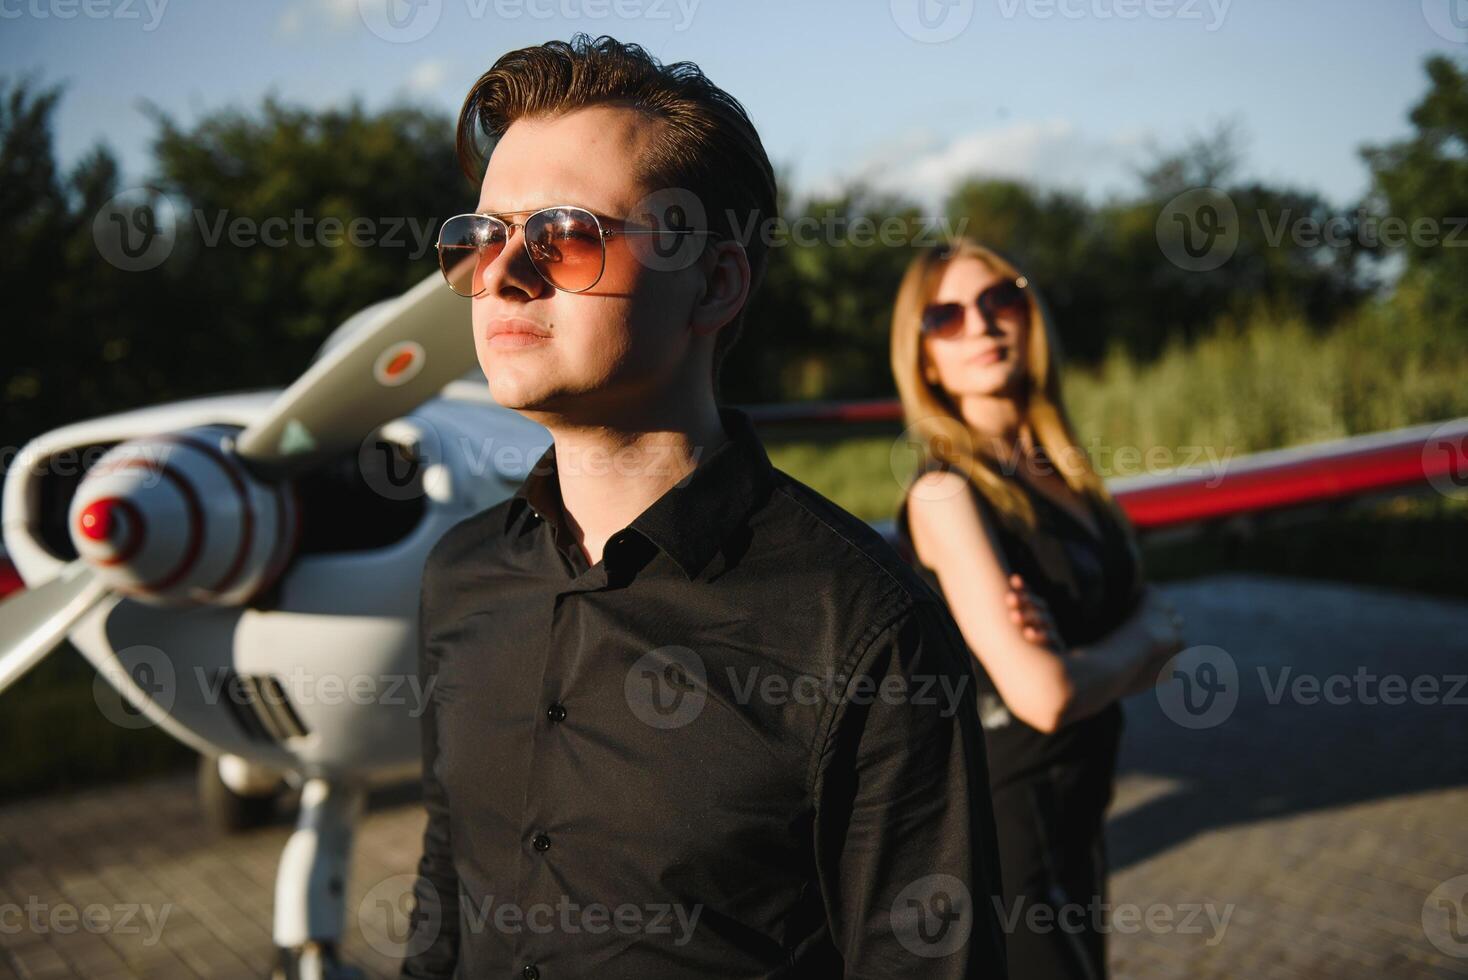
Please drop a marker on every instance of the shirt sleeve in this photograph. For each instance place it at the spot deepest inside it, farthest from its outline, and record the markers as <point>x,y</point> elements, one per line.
<point>904,826</point>
<point>432,947</point>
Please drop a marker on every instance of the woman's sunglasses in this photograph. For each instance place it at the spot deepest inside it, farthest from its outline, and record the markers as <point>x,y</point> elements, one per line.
<point>1006,300</point>
<point>566,244</point>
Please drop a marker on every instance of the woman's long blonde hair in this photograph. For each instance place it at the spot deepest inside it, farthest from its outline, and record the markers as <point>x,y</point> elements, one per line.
<point>934,420</point>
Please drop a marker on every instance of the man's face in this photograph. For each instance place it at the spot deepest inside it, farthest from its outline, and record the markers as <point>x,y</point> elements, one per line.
<point>619,343</point>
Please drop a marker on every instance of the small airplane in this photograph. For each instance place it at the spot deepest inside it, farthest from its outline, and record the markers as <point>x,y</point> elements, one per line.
<point>244,569</point>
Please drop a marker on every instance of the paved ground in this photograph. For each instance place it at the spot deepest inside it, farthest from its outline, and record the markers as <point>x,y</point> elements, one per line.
<point>1279,830</point>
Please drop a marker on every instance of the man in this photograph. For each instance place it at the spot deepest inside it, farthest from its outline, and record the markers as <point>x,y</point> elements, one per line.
<point>688,717</point>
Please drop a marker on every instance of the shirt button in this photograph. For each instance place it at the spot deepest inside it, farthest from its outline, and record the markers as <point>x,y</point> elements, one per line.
<point>556,712</point>
<point>530,973</point>
<point>541,842</point>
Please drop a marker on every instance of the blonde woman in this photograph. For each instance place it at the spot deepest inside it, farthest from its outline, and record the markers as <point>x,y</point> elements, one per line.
<point>1008,521</point>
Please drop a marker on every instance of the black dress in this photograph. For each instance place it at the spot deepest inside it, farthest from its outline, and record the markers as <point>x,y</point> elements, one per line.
<point>1051,791</point>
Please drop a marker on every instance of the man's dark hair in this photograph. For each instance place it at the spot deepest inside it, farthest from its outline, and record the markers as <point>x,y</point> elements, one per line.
<point>706,146</point>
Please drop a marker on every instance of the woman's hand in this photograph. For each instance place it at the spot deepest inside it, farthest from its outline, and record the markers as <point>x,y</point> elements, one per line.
<point>1030,613</point>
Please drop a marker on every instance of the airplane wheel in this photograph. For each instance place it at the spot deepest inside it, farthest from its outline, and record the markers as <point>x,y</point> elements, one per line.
<point>226,810</point>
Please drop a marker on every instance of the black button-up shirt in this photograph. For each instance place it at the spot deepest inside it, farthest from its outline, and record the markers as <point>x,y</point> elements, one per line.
<point>744,744</point>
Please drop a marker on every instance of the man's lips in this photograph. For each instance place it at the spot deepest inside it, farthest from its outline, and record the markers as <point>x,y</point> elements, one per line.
<point>514,332</point>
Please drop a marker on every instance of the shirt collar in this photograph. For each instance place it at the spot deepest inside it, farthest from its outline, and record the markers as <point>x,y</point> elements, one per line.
<point>693,517</point>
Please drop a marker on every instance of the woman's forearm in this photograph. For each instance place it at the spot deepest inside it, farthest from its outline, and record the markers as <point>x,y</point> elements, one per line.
<point>1118,664</point>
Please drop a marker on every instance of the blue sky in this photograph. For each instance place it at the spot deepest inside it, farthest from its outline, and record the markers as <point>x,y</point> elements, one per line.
<point>1067,93</point>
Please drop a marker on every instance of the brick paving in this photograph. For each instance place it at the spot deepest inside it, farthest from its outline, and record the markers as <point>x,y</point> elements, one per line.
<point>1313,833</point>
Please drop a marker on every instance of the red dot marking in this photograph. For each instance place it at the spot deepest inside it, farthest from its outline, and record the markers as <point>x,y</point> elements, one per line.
<point>400,363</point>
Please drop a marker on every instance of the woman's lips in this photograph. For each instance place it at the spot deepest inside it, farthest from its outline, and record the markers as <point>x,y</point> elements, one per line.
<point>991,356</point>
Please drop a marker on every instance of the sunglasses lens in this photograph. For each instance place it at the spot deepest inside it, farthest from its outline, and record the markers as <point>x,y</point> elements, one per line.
<point>467,244</point>
<point>941,318</point>
<point>1005,301</point>
<point>566,247</point>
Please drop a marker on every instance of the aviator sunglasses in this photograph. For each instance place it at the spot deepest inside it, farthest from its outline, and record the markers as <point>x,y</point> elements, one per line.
<point>1003,300</point>
<point>566,244</point>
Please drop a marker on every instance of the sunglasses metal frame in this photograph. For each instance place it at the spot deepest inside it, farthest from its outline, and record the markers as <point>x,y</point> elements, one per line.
<point>1022,282</point>
<point>603,235</point>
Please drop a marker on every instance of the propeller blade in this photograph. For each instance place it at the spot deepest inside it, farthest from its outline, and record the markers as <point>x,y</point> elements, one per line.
<point>418,343</point>
<point>34,621</point>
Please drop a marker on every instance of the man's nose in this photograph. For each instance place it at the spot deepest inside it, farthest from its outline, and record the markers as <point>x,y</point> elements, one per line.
<point>512,271</point>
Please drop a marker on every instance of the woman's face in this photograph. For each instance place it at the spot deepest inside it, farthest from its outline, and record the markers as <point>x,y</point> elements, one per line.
<point>974,357</point>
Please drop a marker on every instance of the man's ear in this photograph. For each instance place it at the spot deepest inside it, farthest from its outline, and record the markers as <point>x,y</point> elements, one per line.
<point>726,282</point>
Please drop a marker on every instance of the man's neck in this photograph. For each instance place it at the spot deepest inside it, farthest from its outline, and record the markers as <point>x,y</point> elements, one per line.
<point>609,474</point>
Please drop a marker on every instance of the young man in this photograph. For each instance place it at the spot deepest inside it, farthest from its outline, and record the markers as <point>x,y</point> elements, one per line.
<point>689,718</point>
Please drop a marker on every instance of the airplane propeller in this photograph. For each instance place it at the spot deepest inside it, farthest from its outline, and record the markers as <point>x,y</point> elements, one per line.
<point>209,515</point>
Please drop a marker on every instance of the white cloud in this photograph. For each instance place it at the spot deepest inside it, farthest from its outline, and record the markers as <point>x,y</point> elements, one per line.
<point>1052,153</point>
<point>426,77</point>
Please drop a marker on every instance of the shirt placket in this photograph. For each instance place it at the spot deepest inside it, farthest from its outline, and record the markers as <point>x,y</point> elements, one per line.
<point>566,635</point>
